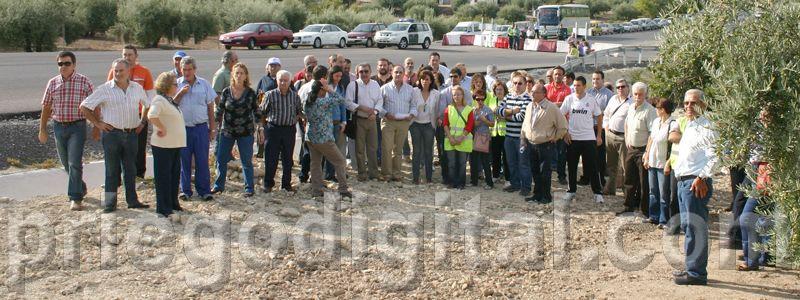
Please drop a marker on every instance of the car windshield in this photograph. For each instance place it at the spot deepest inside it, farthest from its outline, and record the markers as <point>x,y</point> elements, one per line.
<point>363,28</point>
<point>251,27</point>
<point>461,29</point>
<point>312,28</point>
<point>398,27</point>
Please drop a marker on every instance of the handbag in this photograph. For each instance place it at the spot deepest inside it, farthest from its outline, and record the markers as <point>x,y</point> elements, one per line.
<point>481,142</point>
<point>350,127</point>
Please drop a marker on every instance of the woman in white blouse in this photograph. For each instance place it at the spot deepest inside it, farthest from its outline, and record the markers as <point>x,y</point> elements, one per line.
<point>169,136</point>
<point>655,158</point>
<point>423,127</point>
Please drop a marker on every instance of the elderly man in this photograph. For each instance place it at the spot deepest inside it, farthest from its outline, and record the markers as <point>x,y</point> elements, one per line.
<point>366,95</point>
<point>308,60</point>
<point>410,74</point>
<point>281,110</point>
<point>694,166</point>
<point>222,78</point>
<point>542,127</point>
<point>637,131</point>
<point>119,100</point>
<point>141,75</point>
<point>196,98</point>
<point>62,100</point>
<point>491,76</point>
<point>614,127</point>
<point>466,80</point>
<point>269,81</point>
<point>512,108</point>
<point>399,108</point>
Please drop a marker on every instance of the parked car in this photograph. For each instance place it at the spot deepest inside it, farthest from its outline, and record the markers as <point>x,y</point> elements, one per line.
<point>498,30</point>
<point>467,28</point>
<point>364,34</point>
<point>617,28</point>
<point>404,34</point>
<point>628,27</point>
<point>319,35</point>
<point>602,29</point>
<point>253,35</point>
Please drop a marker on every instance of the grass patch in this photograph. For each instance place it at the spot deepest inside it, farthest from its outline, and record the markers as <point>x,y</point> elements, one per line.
<point>15,162</point>
<point>46,164</point>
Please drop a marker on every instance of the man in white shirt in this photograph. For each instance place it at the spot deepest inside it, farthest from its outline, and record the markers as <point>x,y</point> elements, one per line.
<point>119,100</point>
<point>398,111</point>
<point>641,115</point>
<point>601,95</point>
<point>694,166</point>
<point>582,138</point>
<point>491,76</point>
<point>368,96</point>
<point>434,61</point>
<point>614,127</point>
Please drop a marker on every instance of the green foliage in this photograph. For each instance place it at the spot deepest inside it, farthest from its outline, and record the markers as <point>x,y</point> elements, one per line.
<point>348,19</point>
<point>432,4</point>
<point>395,6</point>
<point>598,7</point>
<point>511,13</point>
<point>149,20</point>
<point>441,25</point>
<point>737,52</point>
<point>33,25</point>
<point>650,8</point>
<point>420,12</point>
<point>478,10</point>
<point>196,21</point>
<point>527,5</point>
<point>295,13</point>
<point>455,4</point>
<point>97,15</point>
<point>625,12</point>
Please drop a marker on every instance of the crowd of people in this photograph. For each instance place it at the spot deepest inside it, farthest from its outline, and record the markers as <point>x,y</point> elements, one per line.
<point>516,132</point>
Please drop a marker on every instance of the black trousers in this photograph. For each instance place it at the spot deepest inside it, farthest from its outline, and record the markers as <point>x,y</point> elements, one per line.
<point>479,162</point>
<point>637,186</point>
<point>279,144</point>
<point>738,177</point>
<point>499,160</point>
<point>141,163</point>
<point>167,176</point>
<point>674,222</point>
<point>586,150</point>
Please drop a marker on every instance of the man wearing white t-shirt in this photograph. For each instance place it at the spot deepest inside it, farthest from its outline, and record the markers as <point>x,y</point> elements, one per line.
<point>582,139</point>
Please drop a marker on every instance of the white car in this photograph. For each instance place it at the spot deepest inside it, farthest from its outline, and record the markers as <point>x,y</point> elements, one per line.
<point>319,35</point>
<point>499,30</point>
<point>466,28</point>
<point>403,34</point>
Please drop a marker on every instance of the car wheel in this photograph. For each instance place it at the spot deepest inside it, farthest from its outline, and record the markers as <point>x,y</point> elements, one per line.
<point>342,43</point>
<point>294,46</point>
<point>381,46</point>
<point>403,44</point>
<point>263,47</point>
<point>285,43</point>
<point>228,47</point>
<point>251,44</point>
<point>426,44</point>
<point>369,43</point>
<point>317,43</point>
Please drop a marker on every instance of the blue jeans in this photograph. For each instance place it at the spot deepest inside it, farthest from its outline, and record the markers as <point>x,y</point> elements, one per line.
<point>245,145</point>
<point>753,225</point>
<point>422,138</point>
<point>458,167</point>
<point>70,140</point>
<point>694,222</point>
<point>166,175</point>
<point>559,159</point>
<point>119,150</point>
<point>659,195</point>
<point>541,157</point>
<point>196,149</point>
<point>519,164</point>
<point>440,137</point>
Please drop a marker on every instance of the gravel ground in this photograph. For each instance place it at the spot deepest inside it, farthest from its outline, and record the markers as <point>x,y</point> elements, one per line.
<point>20,142</point>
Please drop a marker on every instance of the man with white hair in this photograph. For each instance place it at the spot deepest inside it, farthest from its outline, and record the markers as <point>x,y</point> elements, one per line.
<point>280,110</point>
<point>308,60</point>
<point>491,76</point>
<point>222,78</point>
<point>614,126</point>
<point>696,163</point>
<point>637,130</point>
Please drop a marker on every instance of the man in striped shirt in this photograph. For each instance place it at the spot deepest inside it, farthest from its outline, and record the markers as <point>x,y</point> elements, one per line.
<point>513,110</point>
<point>119,100</point>
<point>62,100</point>
<point>399,108</point>
<point>280,111</point>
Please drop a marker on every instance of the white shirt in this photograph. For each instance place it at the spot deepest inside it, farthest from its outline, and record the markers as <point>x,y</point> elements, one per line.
<point>368,95</point>
<point>426,108</point>
<point>659,131</point>
<point>581,112</point>
<point>489,81</point>
<point>696,154</point>
<point>172,119</point>
<point>119,108</point>
<point>398,101</point>
<point>615,113</point>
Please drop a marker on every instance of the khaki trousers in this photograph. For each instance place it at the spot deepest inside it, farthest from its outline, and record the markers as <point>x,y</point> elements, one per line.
<point>394,134</point>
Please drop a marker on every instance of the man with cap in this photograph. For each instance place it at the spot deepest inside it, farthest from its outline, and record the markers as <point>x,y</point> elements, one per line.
<point>176,63</point>
<point>267,83</point>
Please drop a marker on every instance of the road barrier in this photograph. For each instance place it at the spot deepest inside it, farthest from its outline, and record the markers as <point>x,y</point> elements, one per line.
<point>634,56</point>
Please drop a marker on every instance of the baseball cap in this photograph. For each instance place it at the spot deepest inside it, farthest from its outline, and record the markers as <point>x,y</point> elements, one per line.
<point>180,54</point>
<point>274,61</point>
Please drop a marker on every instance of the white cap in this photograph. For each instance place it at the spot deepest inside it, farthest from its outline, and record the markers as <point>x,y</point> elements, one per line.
<point>274,61</point>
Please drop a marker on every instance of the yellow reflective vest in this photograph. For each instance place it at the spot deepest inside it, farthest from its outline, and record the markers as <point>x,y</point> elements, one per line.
<point>493,103</point>
<point>457,124</point>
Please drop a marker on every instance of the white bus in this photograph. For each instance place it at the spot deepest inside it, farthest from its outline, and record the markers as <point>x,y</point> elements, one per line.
<point>551,18</point>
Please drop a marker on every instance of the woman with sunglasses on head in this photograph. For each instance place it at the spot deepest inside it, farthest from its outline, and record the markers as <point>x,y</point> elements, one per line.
<point>479,159</point>
<point>423,127</point>
<point>497,93</point>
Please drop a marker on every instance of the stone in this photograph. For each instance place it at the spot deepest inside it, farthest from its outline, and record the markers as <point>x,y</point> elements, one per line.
<point>289,212</point>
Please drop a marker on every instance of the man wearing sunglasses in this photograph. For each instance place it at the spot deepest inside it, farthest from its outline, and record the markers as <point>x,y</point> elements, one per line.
<point>61,101</point>
<point>512,108</point>
<point>614,125</point>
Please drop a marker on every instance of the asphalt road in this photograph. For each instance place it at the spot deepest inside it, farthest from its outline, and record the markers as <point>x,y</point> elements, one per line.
<point>23,76</point>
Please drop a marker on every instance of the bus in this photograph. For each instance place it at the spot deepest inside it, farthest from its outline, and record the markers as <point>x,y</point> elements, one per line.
<point>551,18</point>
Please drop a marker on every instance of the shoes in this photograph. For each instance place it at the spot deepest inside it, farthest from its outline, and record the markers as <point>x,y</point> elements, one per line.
<point>207,197</point>
<point>248,194</point>
<point>138,206</point>
<point>662,226</point>
<point>267,190</point>
<point>746,268</point>
<point>599,199</point>
<point>624,211</point>
<point>525,193</point>
<point>361,178</point>
<point>175,218</point>
<point>649,221</point>
<point>678,273</point>
<point>215,191</point>
<point>506,184</point>
<point>290,189</point>
<point>177,208</point>
<point>183,197</point>
<point>415,181</point>
<point>303,179</point>
<point>75,206</point>
<point>488,187</point>
<point>346,194</point>
<point>569,196</point>
<point>510,189</point>
<point>107,210</point>
<point>689,280</point>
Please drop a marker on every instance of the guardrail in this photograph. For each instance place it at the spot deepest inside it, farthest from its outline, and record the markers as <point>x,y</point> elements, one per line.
<point>623,55</point>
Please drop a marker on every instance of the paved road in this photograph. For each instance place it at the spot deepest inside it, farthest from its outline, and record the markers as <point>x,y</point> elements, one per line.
<point>23,76</point>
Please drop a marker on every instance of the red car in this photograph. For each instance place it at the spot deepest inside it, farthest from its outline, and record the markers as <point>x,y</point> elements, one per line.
<point>364,33</point>
<point>252,35</point>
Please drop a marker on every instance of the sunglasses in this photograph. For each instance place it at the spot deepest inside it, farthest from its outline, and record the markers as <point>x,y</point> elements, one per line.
<point>518,83</point>
<point>480,99</point>
<point>64,63</point>
<point>622,87</point>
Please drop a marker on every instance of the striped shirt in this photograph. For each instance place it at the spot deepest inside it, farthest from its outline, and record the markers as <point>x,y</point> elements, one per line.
<point>120,109</point>
<point>281,109</point>
<point>398,102</point>
<point>514,121</point>
<point>65,96</point>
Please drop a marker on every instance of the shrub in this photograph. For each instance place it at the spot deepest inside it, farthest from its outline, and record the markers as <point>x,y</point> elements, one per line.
<point>348,19</point>
<point>625,12</point>
<point>295,13</point>
<point>148,20</point>
<point>527,5</point>
<point>196,21</point>
<point>441,25</point>
<point>420,12</point>
<point>511,13</point>
<point>455,4</point>
<point>97,15</point>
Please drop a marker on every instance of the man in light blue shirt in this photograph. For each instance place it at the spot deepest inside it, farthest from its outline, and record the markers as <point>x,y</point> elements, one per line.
<point>196,99</point>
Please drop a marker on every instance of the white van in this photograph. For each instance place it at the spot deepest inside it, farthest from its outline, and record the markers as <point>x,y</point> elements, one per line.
<point>467,28</point>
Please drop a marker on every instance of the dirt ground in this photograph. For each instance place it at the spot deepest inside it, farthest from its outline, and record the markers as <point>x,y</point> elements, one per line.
<point>393,240</point>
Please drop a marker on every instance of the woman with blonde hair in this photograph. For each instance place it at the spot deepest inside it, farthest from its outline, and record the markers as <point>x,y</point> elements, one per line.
<point>169,136</point>
<point>458,122</point>
<point>238,113</point>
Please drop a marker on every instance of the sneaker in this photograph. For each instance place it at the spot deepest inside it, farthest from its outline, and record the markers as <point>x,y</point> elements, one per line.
<point>689,280</point>
<point>510,189</point>
<point>624,211</point>
<point>598,198</point>
<point>569,196</point>
<point>506,184</point>
<point>248,194</point>
<point>488,187</point>
<point>75,206</point>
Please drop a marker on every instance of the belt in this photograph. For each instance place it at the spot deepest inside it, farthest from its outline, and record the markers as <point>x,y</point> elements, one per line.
<point>126,130</point>
<point>71,122</point>
<point>617,132</point>
<point>687,177</point>
<point>198,124</point>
